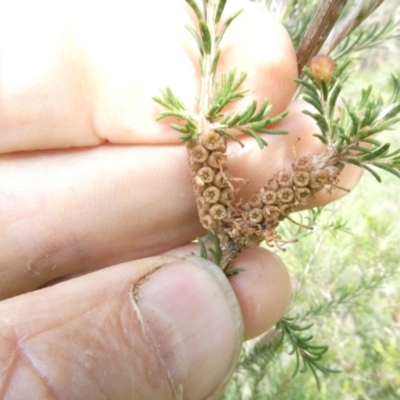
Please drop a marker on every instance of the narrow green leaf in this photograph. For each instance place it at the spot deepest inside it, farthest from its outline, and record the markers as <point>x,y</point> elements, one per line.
<point>197,39</point>
<point>220,9</point>
<point>195,8</point>
<point>273,131</point>
<point>375,153</point>
<point>321,138</point>
<point>333,99</point>
<point>215,62</point>
<point>205,36</point>
<point>230,135</point>
<point>388,168</point>
<point>261,142</point>
<point>225,27</point>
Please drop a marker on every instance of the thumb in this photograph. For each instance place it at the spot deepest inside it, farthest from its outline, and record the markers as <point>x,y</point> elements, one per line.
<point>157,328</point>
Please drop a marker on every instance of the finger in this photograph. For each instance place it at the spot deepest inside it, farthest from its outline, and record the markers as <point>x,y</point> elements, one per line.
<point>262,287</point>
<point>70,212</point>
<point>157,328</point>
<point>72,82</point>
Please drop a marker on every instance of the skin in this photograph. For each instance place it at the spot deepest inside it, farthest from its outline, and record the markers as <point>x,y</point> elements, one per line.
<point>98,284</point>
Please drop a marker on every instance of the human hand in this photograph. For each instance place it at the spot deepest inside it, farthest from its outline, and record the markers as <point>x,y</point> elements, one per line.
<point>89,182</point>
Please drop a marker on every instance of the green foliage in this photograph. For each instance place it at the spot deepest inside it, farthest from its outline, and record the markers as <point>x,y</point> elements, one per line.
<point>307,353</point>
<point>367,37</point>
<point>352,131</point>
<point>210,253</point>
<point>215,96</point>
<point>347,286</point>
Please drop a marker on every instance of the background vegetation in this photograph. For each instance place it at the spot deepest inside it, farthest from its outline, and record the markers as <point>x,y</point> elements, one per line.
<point>345,275</point>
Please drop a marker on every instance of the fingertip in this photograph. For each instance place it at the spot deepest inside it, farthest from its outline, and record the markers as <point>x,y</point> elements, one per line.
<point>263,289</point>
<point>259,44</point>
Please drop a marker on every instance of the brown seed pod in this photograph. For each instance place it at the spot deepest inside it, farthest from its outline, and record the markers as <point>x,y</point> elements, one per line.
<point>202,204</point>
<point>206,174</point>
<point>318,178</point>
<point>301,178</point>
<point>285,210</point>
<point>285,195</point>
<point>272,184</point>
<point>198,154</point>
<point>198,185</point>
<point>255,216</point>
<point>284,179</point>
<point>322,67</point>
<point>218,212</point>
<point>270,213</point>
<point>332,172</point>
<point>208,222</point>
<point>217,159</point>
<point>220,180</point>
<point>227,196</point>
<point>303,164</point>
<point>211,141</point>
<point>256,200</point>
<point>302,194</point>
<point>212,194</point>
<point>269,197</point>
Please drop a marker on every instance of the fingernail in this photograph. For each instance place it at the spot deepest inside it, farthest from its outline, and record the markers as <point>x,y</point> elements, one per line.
<point>194,318</point>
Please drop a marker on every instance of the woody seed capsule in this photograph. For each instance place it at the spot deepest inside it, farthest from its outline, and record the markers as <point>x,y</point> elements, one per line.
<point>285,195</point>
<point>301,178</point>
<point>284,179</point>
<point>255,216</point>
<point>198,154</point>
<point>211,141</point>
<point>218,212</point>
<point>206,174</point>
<point>269,197</point>
<point>217,159</point>
<point>303,164</point>
<point>256,200</point>
<point>212,194</point>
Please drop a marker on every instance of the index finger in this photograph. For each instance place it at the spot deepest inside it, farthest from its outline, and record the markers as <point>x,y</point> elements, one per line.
<point>82,79</point>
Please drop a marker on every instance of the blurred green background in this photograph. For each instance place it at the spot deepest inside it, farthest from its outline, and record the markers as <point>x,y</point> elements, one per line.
<point>345,276</point>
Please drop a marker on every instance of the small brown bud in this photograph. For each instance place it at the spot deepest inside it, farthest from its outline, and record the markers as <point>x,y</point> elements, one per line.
<point>255,216</point>
<point>206,174</point>
<point>322,67</point>
<point>285,195</point>
<point>284,179</point>
<point>198,154</point>
<point>211,141</point>
<point>303,164</point>
<point>217,159</point>
<point>212,194</point>
<point>269,197</point>
<point>218,212</point>
<point>301,178</point>
<point>256,200</point>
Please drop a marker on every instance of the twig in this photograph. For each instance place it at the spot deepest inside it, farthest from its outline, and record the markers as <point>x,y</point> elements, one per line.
<point>322,24</point>
<point>353,19</point>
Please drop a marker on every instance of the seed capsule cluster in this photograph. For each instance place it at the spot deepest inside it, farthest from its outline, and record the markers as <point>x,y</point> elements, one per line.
<point>242,225</point>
